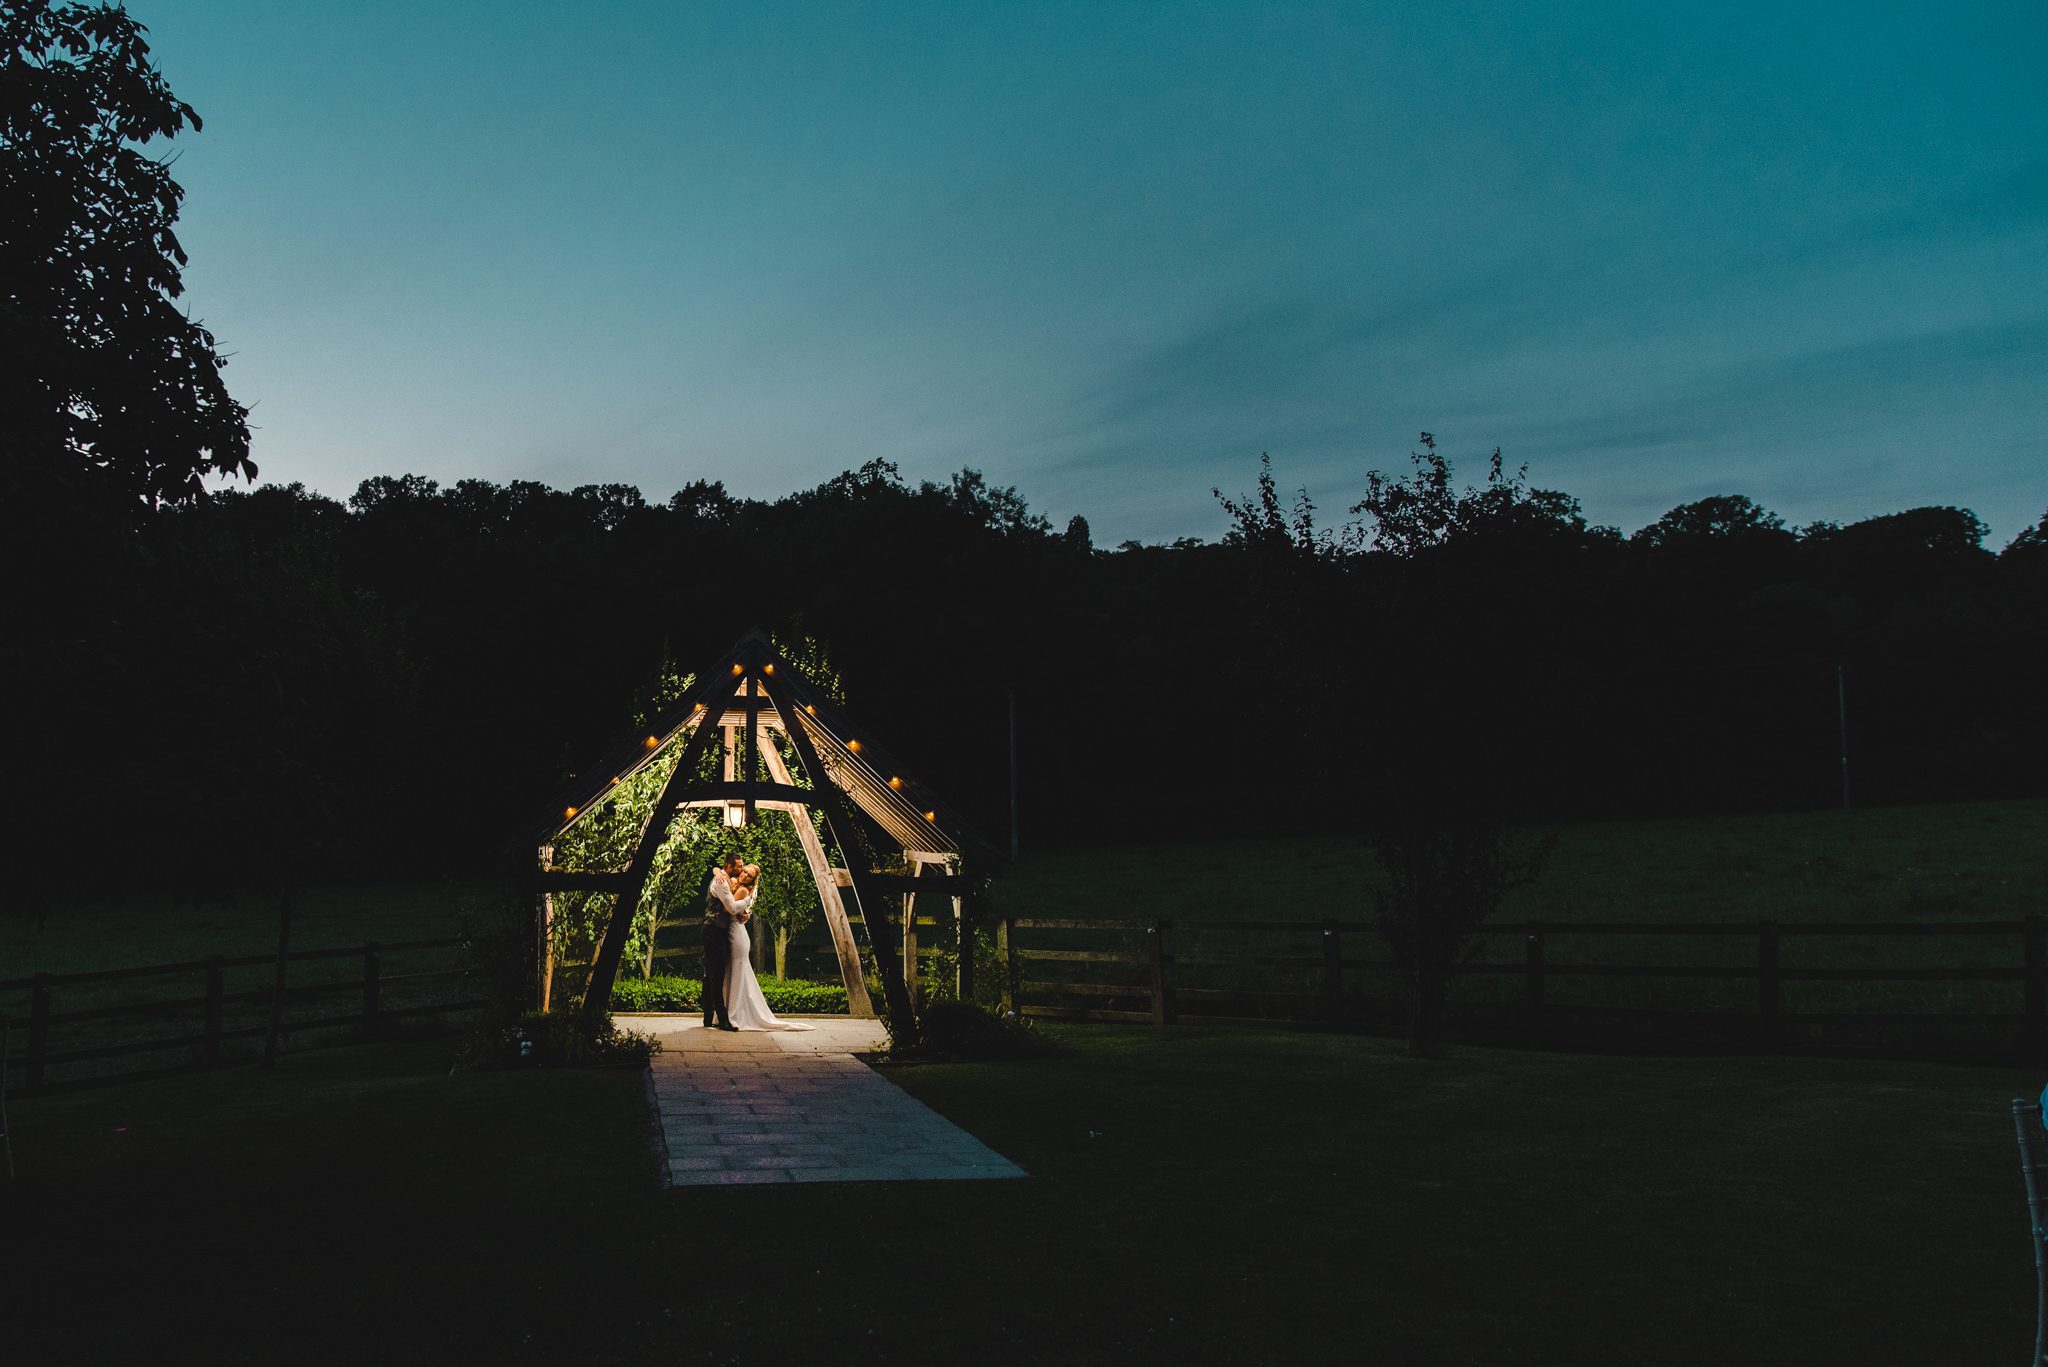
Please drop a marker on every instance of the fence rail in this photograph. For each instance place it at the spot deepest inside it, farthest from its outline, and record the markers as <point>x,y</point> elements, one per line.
<point>1164,971</point>
<point>218,1024</point>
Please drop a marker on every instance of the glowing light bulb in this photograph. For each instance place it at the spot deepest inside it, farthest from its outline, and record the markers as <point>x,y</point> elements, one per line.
<point>931,816</point>
<point>568,813</point>
<point>651,742</point>
<point>854,746</point>
<point>738,670</point>
<point>895,782</point>
<point>767,669</point>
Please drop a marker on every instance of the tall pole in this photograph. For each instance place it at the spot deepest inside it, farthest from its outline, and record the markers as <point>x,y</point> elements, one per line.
<point>1013,773</point>
<point>1842,718</point>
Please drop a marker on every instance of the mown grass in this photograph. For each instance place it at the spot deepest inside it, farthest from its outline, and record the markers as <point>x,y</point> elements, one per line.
<point>1965,862</point>
<point>1197,1196</point>
<point>1977,861</point>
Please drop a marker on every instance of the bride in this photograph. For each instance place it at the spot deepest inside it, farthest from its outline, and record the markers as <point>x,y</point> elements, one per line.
<point>743,1000</point>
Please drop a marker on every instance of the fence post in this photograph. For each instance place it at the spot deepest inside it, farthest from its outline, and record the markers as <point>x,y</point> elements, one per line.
<point>1333,974</point>
<point>38,1029</point>
<point>1533,983</point>
<point>1767,981</point>
<point>1006,948</point>
<point>963,964</point>
<point>216,988</point>
<point>1155,959</point>
<point>2037,989</point>
<point>373,985</point>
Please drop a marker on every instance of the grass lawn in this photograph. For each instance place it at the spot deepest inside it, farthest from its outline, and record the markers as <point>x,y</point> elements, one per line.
<point>85,936</point>
<point>1976,861</point>
<point>1197,1196</point>
<point>1964,862</point>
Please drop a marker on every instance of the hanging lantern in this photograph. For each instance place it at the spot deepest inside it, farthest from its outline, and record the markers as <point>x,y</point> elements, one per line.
<point>735,814</point>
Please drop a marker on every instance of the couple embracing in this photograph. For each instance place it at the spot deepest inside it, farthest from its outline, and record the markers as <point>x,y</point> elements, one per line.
<point>732,995</point>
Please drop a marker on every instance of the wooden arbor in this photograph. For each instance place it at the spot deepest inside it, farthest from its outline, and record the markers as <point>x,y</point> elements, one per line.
<point>742,704</point>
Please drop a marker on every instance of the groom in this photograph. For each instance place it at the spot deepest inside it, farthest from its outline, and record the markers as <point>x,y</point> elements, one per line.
<point>719,914</point>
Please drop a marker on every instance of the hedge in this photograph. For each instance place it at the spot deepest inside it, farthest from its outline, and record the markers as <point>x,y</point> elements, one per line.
<point>786,996</point>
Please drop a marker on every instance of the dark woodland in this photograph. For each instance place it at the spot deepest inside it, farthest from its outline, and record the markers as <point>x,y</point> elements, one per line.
<point>398,684</point>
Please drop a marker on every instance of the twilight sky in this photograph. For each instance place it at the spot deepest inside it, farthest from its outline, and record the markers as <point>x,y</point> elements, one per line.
<point>1109,253</point>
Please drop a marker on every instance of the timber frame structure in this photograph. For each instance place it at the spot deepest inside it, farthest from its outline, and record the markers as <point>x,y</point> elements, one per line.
<point>873,814</point>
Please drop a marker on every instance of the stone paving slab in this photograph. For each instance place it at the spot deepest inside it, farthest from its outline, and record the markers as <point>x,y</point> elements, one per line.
<point>797,1106</point>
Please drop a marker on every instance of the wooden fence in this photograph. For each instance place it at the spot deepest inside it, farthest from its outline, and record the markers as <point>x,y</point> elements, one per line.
<point>1338,974</point>
<point>186,1031</point>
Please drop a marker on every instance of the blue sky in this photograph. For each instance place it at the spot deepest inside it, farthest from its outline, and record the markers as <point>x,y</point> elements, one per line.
<point>1109,253</point>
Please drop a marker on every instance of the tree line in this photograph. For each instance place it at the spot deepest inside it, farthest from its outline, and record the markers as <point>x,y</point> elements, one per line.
<point>397,683</point>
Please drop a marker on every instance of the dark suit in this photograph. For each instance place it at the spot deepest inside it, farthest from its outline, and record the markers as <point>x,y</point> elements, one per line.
<point>717,955</point>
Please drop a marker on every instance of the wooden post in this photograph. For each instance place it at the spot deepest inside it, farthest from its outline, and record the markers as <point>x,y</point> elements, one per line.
<point>216,988</point>
<point>963,965</point>
<point>1767,995</point>
<point>2037,989</point>
<point>273,1038</point>
<point>1533,984</point>
<point>1006,949</point>
<point>544,935</point>
<point>1155,960</point>
<point>373,986</point>
<point>1333,974</point>
<point>38,1029</point>
<point>751,698</point>
<point>912,980</point>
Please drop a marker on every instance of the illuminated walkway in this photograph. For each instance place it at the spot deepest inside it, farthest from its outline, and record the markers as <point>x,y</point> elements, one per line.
<point>797,1107</point>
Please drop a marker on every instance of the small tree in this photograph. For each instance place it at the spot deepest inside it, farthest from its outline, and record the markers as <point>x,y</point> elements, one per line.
<point>1447,871</point>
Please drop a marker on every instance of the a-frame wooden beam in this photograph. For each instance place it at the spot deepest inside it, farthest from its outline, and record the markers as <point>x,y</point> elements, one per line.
<point>844,819</point>
<point>850,971</point>
<point>604,969</point>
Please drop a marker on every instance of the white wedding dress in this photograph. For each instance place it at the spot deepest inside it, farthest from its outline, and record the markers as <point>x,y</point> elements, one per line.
<point>744,1004</point>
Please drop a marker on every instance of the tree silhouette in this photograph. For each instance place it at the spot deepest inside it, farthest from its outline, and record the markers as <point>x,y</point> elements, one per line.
<point>102,376</point>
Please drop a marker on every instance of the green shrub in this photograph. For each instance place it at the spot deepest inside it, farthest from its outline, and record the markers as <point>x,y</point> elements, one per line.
<point>963,1030</point>
<point>562,1039</point>
<point>785,996</point>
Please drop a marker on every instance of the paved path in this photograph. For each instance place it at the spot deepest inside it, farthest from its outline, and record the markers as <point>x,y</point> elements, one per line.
<point>797,1107</point>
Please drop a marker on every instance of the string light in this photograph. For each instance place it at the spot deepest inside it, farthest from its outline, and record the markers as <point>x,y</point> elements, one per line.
<point>651,743</point>
<point>568,813</point>
<point>854,746</point>
<point>810,709</point>
<point>767,669</point>
<point>931,816</point>
<point>895,782</point>
<point>738,670</point>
